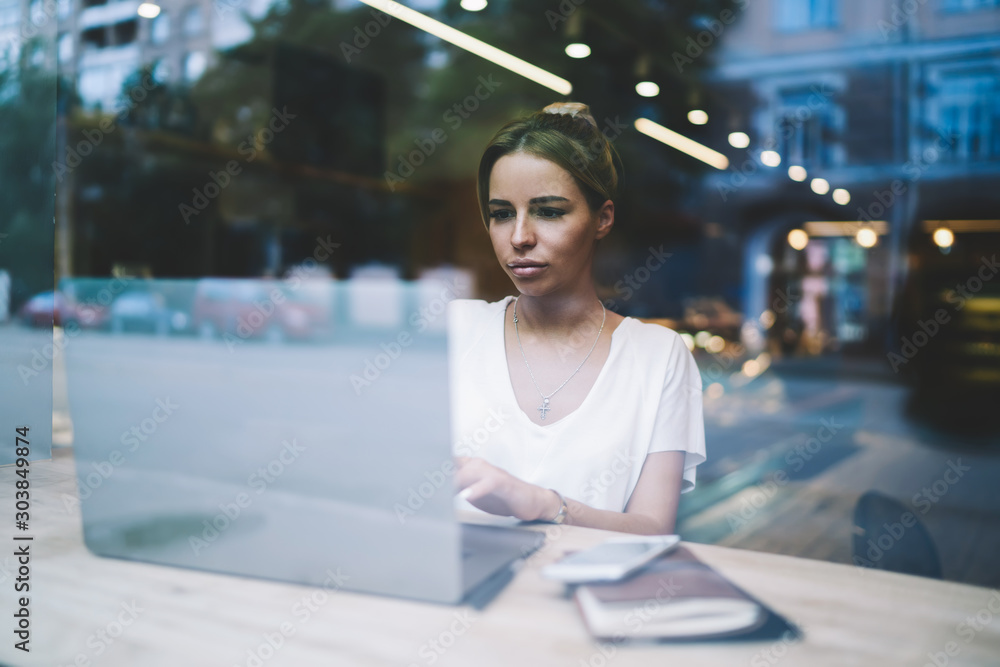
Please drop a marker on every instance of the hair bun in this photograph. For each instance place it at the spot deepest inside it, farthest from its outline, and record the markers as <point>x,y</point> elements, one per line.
<point>574,109</point>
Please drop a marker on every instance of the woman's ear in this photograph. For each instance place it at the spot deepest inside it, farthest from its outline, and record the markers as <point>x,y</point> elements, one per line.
<point>605,219</point>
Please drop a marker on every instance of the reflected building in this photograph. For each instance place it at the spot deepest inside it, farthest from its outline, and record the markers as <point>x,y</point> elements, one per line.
<point>101,42</point>
<point>208,151</point>
<point>838,118</point>
<point>870,118</point>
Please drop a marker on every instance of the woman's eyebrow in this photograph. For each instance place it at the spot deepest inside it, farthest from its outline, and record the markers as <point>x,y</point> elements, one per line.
<point>535,200</point>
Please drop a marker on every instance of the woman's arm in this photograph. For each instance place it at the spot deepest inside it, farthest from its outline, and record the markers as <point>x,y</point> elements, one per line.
<point>652,509</point>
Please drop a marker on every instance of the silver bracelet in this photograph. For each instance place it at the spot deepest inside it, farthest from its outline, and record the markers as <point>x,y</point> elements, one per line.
<point>563,509</point>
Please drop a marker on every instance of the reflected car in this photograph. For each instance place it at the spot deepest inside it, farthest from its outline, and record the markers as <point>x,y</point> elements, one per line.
<point>307,312</point>
<point>55,308</point>
<point>145,311</point>
<point>260,309</point>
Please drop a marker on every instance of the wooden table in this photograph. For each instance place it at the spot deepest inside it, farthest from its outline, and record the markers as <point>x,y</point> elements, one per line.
<point>87,610</point>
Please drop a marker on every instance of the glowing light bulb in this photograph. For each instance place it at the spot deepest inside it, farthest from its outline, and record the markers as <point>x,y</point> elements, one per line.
<point>797,173</point>
<point>943,237</point>
<point>647,89</point>
<point>697,117</point>
<point>798,239</point>
<point>739,139</point>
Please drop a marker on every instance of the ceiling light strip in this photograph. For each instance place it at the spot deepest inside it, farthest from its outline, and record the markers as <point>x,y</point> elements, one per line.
<point>963,225</point>
<point>682,143</point>
<point>472,45</point>
<point>844,227</point>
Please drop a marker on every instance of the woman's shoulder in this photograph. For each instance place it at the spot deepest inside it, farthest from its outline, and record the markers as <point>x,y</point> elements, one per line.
<point>469,320</point>
<point>663,353</point>
<point>654,337</point>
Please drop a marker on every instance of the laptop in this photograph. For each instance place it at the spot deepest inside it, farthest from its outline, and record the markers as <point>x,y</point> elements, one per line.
<point>295,431</point>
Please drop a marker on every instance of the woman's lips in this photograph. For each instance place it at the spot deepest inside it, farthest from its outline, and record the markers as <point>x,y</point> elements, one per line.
<point>527,270</point>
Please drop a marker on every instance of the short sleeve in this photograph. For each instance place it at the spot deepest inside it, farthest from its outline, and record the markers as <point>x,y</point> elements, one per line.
<point>680,422</point>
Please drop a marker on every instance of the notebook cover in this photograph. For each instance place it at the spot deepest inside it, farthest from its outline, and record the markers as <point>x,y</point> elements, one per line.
<point>679,575</point>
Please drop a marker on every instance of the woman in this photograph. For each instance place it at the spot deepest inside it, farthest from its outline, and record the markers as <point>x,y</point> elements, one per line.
<point>566,412</point>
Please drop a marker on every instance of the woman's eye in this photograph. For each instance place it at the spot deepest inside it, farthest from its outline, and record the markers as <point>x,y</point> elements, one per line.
<point>499,215</point>
<point>549,212</point>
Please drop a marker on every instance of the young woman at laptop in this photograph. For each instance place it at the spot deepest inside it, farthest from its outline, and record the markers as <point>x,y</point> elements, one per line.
<point>565,411</point>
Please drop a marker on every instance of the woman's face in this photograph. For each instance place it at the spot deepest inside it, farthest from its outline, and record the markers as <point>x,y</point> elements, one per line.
<point>542,229</point>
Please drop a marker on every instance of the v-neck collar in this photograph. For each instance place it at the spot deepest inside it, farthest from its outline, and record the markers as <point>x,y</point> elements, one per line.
<point>612,350</point>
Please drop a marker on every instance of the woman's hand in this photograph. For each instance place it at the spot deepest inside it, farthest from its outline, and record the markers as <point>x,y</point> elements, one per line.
<point>496,491</point>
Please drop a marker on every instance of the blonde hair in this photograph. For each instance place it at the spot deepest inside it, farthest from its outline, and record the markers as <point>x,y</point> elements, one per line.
<point>564,133</point>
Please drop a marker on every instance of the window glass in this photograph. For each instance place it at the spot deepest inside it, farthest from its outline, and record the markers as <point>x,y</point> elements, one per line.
<point>160,28</point>
<point>193,21</point>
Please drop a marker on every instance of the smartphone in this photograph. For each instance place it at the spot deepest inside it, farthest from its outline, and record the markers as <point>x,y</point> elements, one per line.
<point>611,560</point>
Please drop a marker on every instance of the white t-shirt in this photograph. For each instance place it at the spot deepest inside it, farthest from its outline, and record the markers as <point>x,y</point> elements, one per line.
<point>647,398</point>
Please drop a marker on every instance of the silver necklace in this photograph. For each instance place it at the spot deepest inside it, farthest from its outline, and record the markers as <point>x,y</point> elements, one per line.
<point>544,407</point>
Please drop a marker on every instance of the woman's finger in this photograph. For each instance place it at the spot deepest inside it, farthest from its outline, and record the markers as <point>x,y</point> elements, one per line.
<point>472,471</point>
<point>476,490</point>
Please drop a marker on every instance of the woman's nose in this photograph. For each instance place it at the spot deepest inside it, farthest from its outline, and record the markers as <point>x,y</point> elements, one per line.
<point>524,233</point>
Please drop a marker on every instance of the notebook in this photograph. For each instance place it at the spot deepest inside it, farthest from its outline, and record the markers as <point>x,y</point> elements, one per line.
<point>676,597</point>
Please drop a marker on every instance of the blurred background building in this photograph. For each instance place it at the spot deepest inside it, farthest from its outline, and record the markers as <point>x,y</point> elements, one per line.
<point>100,43</point>
<point>869,126</point>
<point>866,125</point>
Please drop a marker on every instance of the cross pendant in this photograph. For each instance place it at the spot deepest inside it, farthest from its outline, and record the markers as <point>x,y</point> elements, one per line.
<point>544,407</point>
